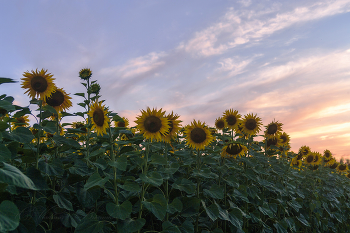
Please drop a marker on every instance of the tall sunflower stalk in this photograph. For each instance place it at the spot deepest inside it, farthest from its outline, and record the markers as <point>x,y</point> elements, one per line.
<point>113,155</point>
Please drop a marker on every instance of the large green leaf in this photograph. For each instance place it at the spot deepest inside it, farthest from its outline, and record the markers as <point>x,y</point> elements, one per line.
<point>302,219</point>
<point>9,219</point>
<point>130,186</point>
<point>175,206</point>
<point>234,217</point>
<point>5,153</point>
<point>120,163</point>
<point>185,185</point>
<point>122,211</point>
<point>22,134</point>
<point>52,168</point>
<point>212,211</point>
<point>87,198</point>
<point>37,178</point>
<point>90,224</point>
<point>215,191</point>
<point>13,176</point>
<point>157,206</point>
<point>62,201</point>
<point>153,178</point>
<point>168,227</point>
<point>158,159</point>
<point>190,206</point>
<point>95,180</point>
<point>187,227</point>
<point>131,225</point>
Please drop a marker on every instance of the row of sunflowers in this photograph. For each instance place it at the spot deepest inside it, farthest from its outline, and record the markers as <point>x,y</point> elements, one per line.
<point>100,175</point>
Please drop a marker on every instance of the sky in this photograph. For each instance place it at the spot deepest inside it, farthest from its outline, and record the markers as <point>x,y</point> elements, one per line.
<point>287,61</point>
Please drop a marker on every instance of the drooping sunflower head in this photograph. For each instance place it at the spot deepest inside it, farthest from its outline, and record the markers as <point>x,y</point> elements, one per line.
<point>152,124</point>
<point>251,124</point>
<point>296,162</point>
<point>342,168</point>
<point>327,155</point>
<point>38,84</point>
<point>220,123</point>
<point>198,136</point>
<point>231,118</point>
<point>234,149</point>
<point>99,118</point>
<point>304,150</point>
<point>174,127</point>
<point>85,73</point>
<point>273,141</point>
<point>124,123</point>
<point>22,121</point>
<point>317,158</point>
<point>59,100</point>
<point>285,138</point>
<point>309,159</point>
<point>334,164</point>
<point>273,129</point>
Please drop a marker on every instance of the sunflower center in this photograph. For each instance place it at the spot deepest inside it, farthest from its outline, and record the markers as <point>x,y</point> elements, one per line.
<point>272,129</point>
<point>198,135</point>
<point>305,152</point>
<point>39,84</point>
<point>98,117</point>
<point>153,124</point>
<point>231,120</point>
<point>310,159</point>
<point>21,120</point>
<point>342,167</point>
<point>56,99</point>
<point>233,149</point>
<point>251,124</point>
<point>334,165</point>
<point>121,124</point>
<point>220,124</point>
<point>327,155</point>
<point>271,141</point>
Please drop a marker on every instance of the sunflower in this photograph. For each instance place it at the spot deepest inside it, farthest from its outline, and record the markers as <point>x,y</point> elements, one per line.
<point>273,129</point>
<point>231,118</point>
<point>79,125</point>
<point>38,83</point>
<point>285,139</point>
<point>296,162</point>
<point>348,175</point>
<point>152,124</point>
<point>304,150</point>
<point>59,100</point>
<point>174,125</point>
<point>330,162</point>
<point>198,136</point>
<point>317,158</point>
<point>272,141</point>
<point>309,159</point>
<point>251,124</point>
<point>85,73</point>
<point>327,155</point>
<point>22,121</point>
<point>233,149</point>
<point>99,118</point>
<point>124,123</point>
<point>342,168</point>
<point>220,123</point>
<point>334,164</point>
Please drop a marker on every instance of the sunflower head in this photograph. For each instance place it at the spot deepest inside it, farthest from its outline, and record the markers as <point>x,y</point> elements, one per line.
<point>79,125</point>
<point>251,124</point>
<point>334,164</point>
<point>317,158</point>
<point>95,88</point>
<point>309,159</point>
<point>38,84</point>
<point>59,100</point>
<point>198,136</point>
<point>273,129</point>
<point>174,127</point>
<point>22,121</point>
<point>231,118</point>
<point>273,141</point>
<point>85,73</point>
<point>233,149</point>
<point>124,123</point>
<point>99,118</point>
<point>220,123</point>
<point>304,150</point>
<point>152,124</point>
<point>285,138</point>
<point>342,168</point>
<point>327,155</point>
<point>296,162</point>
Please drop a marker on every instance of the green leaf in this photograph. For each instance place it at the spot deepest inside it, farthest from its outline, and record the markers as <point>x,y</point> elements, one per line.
<point>175,206</point>
<point>158,206</point>
<point>187,227</point>
<point>4,126</point>
<point>5,153</point>
<point>90,224</point>
<point>13,176</point>
<point>72,219</point>
<point>302,219</point>
<point>168,227</point>
<point>63,202</point>
<point>23,112</point>
<point>158,159</point>
<point>53,168</point>
<point>280,228</point>
<point>212,211</point>
<point>172,169</point>
<point>101,163</point>
<point>80,94</point>
<point>215,191</point>
<point>130,225</point>
<point>22,134</point>
<point>9,219</point>
<point>190,206</point>
<point>80,168</point>
<point>122,211</point>
<point>61,140</point>
<point>185,185</point>
<point>126,149</point>
<point>294,204</point>
<point>36,177</point>
<point>153,178</point>
<point>6,80</point>
<point>87,198</point>
<point>265,210</point>
<point>130,186</point>
<point>234,217</point>
<point>95,180</point>
<point>121,163</point>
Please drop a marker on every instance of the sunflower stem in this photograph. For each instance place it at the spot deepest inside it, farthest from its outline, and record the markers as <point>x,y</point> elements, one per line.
<point>111,142</point>
<point>198,185</point>
<point>38,143</point>
<point>167,180</point>
<point>89,121</point>
<point>143,183</point>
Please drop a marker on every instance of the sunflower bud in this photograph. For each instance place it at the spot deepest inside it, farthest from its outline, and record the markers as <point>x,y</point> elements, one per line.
<point>95,88</point>
<point>85,74</point>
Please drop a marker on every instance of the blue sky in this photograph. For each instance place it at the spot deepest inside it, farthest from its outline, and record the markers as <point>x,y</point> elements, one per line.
<point>282,60</point>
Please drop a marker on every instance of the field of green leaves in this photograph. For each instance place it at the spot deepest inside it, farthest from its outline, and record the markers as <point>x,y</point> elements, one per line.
<point>100,175</point>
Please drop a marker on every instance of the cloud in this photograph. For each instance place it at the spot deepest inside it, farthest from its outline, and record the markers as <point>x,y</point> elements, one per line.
<point>241,27</point>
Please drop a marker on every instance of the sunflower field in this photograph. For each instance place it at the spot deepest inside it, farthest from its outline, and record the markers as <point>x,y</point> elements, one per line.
<point>100,175</point>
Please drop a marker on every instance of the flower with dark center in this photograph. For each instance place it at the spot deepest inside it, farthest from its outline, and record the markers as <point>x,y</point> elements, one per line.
<point>309,160</point>
<point>327,155</point>
<point>342,168</point>
<point>124,123</point>
<point>273,129</point>
<point>38,84</point>
<point>231,118</point>
<point>334,165</point>
<point>95,88</point>
<point>304,150</point>
<point>251,124</point>
<point>220,123</point>
<point>174,127</point>
<point>22,121</point>
<point>296,162</point>
<point>232,150</point>
<point>152,124</point>
<point>198,136</point>
<point>285,139</point>
<point>59,100</point>
<point>85,73</point>
<point>317,158</point>
<point>80,126</point>
<point>99,118</point>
